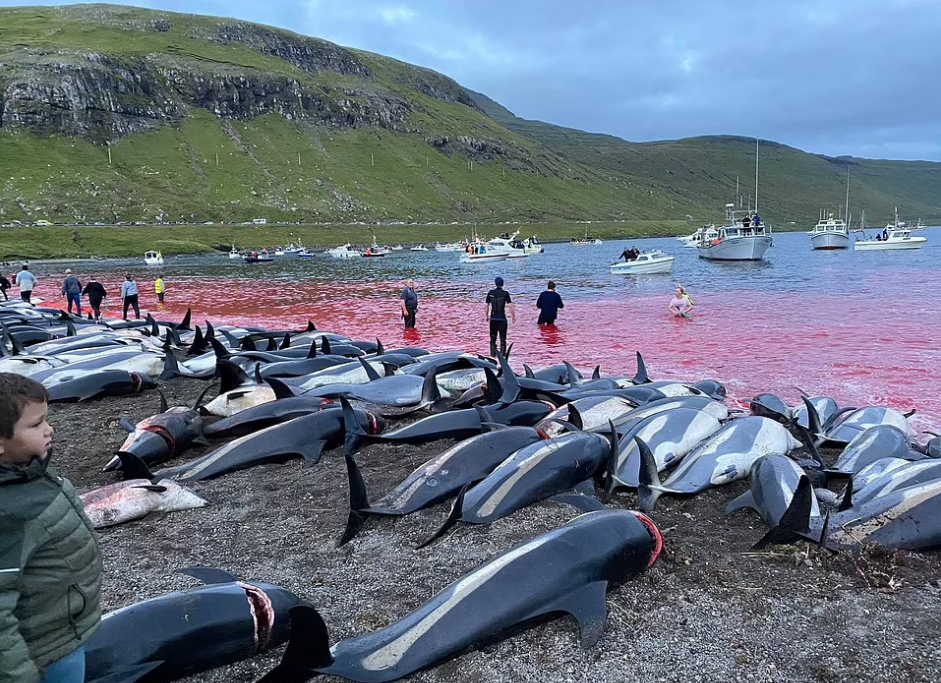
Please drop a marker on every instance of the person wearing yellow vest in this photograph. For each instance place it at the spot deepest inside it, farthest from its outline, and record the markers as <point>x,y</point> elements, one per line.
<point>159,288</point>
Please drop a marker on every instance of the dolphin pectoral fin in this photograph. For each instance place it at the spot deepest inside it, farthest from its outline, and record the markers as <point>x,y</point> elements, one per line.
<point>588,604</point>
<point>744,501</point>
<point>200,441</point>
<point>131,675</point>
<point>208,575</point>
<point>453,518</point>
<point>128,425</point>
<point>308,648</point>
<point>579,501</point>
<point>313,451</point>
<point>847,502</point>
<point>649,489</point>
<point>156,488</point>
<point>586,488</point>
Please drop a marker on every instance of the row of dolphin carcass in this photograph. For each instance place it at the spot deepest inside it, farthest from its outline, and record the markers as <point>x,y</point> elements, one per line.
<point>520,440</point>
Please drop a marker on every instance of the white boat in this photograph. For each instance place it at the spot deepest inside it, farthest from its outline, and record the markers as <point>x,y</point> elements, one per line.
<point>650,262</point>
<point>514,247</point>
<point>830,233</point>
<point>398,247</point>
<point>290,251</point>
<point>481,253</point>
<point>344,252</point>
<point>234,253</point>
<point>153,258</point>
<point>896,238</point>
<point>420,247</point>
<point>705,233</point>
<point>585,241</point>
<point>742,239</point>
<point>451,246</point>
<point>375,250</point>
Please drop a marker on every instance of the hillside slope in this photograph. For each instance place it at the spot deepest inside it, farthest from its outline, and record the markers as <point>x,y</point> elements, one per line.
<point>794,185</point>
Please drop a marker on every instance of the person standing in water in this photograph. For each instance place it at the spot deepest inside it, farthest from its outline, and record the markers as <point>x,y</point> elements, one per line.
<point>4,286</point>
<point>549,303</point>
<point>409,299</point>
<point>681,306</point>
<point>96,294</point>
<point>498,304</point>
<point>159,288</point>
<point>129,295</point>
<point>72,291</point>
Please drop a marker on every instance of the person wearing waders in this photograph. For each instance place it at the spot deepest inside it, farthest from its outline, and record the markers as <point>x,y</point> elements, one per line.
<point>498,305</point>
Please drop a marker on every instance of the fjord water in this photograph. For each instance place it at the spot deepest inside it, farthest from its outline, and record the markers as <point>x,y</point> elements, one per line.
<point>863,327</point>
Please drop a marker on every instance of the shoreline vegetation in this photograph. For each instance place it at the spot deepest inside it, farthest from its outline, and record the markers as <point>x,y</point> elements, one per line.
<point>84,242</point>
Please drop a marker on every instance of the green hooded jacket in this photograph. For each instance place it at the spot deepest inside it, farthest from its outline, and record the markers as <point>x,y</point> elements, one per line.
<point>50,571</point>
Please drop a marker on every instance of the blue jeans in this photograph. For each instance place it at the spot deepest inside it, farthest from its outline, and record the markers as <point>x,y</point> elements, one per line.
<point>77,300</point>
<point>69,669</point>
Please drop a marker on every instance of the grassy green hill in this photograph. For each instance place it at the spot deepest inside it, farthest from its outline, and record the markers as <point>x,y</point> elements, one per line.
<point>111,113</point>
<point>701,172</point>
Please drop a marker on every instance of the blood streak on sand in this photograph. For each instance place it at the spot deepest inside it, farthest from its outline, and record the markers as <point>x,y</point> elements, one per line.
<point>848,346</point>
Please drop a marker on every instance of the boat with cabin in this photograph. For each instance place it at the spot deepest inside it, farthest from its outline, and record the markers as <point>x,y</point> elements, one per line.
<point>830,233</point>
<point>344,251</point>
<point>258,257</point>
<point>478,252</point>
<point>234,253</point>
<point>153,258</point>
<point>894,236</point>
<point>703,234</point>
<point>419,247</point>
<point>375,250</point>
<point>647,263</point>
<point>515,247</point>
<point>585,241</point>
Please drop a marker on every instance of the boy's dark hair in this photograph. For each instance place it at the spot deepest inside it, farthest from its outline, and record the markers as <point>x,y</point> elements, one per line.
<point>551,285</point>
<point>16,392</point>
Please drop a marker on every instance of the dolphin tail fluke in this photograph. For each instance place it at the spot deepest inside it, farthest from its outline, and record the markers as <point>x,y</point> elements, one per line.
<point>794,524</point>
<point>308,648</point>
<point>847,502</point>
<point>815,429</point>
<point>641,377</point>
<point>649,489</point>
<point>354,430</point>
<point>806,437</point>
<point>453,518</point>
<point>359,502</point>
<point>133,467</point>
<point>746,501</point>
<point>511,385</point>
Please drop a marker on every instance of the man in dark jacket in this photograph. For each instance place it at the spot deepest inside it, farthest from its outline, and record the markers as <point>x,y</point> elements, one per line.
<point>50,565</point>
<point>72,291</point>
<point>4,286</point>
<point>548,303</point>
<point>498,304</point>
<point>96,294</point>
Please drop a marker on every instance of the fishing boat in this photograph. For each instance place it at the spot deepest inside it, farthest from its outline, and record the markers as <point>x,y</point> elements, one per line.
<point>743,239</point>
<point>894,236</point>
<point>703,234</point>
<point>234,253</point>
<point>398,247</point>
<point>153,258</point>
<point>375,250</point>
<point>290,251</point>
<point>344,252</point>
<point>647,263</point>
<point>481,253</point>
<point>515,247</point>
<point>830,232</point>
<point>585,241</point>
<point>256,257</point>
<point>420,247</point>
<point>451,246</point>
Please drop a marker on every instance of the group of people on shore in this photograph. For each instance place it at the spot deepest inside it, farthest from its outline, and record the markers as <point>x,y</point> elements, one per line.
<point>73,291</point>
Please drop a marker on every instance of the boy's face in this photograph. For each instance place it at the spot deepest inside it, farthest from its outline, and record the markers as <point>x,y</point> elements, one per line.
<point>32,436</point>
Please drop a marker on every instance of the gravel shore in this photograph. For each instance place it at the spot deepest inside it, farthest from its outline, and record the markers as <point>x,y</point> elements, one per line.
<point>709,610</point>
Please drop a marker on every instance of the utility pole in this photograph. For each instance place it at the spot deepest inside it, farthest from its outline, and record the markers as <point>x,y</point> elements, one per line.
<point>372,159</point>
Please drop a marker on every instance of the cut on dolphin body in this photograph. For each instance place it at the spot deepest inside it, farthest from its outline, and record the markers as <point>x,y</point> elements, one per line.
<point>565,570</point>
<point>129,500</point>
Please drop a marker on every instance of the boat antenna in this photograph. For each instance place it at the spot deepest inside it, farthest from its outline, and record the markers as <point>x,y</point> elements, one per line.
<point>846,212</point>
<point>756,175</point>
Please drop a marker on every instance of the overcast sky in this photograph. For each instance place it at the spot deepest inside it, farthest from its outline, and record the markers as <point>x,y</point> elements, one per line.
<point>831,76</point>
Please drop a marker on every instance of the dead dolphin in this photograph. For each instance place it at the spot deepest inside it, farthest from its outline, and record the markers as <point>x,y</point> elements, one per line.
<point>565,570</point>
<point>265,415</point>
<point>100,383</point>
<point>774,479</point>
<point>129,500</point>
<point>438,479</point>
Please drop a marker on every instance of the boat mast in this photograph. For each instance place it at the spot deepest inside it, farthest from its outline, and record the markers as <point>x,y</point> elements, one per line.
<point>756,175</point>
<point>846,211</point>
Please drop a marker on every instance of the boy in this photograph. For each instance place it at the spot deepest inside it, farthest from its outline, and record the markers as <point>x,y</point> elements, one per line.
<point>50,565</point>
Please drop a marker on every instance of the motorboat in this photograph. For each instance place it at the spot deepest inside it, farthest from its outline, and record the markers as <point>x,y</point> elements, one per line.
<point>420,247</point>
<point>344,252</point>
<point>585,241</point>
<point>398,247</point>
<point>153,258</point>
<point>375,250</point>
<point>451,246</point>
<point>234,253</point>
<point>515,247</point>
<point>481,253</point>
<point>703,234</point>
<point>290,251</point>
<point>258,257</point>
<point>830,233</point>
<point>896,238</point>
<point>646,263</point>
<point>306,254</point>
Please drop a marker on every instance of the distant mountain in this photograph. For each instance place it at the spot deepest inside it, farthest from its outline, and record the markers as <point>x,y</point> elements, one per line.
<point>111,113</point>
<point>701,172</point>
